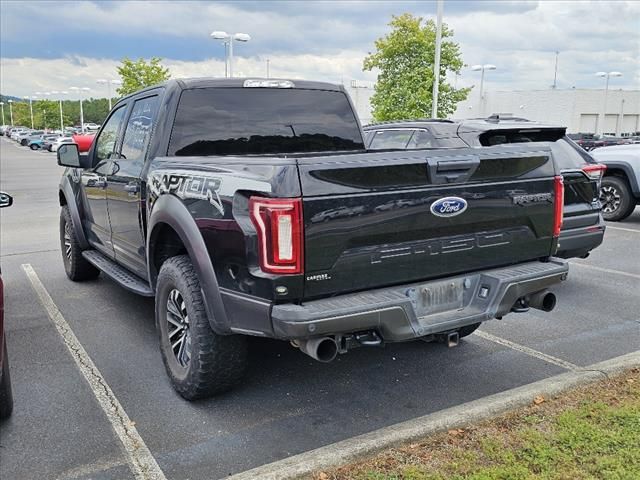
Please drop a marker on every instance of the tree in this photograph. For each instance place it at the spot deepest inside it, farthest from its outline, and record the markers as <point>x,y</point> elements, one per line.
<point>405,59</point>
<point>139,74</point>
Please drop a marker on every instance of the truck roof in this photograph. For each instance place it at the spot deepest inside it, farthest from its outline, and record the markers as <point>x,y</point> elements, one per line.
<point>217,82</point>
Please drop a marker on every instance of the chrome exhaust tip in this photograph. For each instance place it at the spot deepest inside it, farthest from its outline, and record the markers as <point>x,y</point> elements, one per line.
<point>322,349</point>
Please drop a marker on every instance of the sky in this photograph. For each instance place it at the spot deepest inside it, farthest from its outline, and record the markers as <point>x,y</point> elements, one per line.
<point>46,45</point>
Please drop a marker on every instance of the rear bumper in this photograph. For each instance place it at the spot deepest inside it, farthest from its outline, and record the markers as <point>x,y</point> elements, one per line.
<point>392,311</point>
<point>577,242</point>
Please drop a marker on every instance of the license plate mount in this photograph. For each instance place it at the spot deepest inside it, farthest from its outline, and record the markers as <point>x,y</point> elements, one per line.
<point>437,297</point>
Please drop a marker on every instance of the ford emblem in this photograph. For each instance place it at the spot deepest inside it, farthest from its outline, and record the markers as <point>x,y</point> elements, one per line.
<point>448,206</point>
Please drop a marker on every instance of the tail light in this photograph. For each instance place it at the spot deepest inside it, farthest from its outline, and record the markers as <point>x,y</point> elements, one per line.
<point>594,171</point>
<point>558,206</point>
<point>278,222</point>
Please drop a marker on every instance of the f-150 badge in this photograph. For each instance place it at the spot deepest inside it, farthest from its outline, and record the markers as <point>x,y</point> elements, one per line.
<point>448,206</point>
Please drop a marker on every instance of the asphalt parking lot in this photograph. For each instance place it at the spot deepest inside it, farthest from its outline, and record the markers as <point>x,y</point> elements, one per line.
<point>288,403</point>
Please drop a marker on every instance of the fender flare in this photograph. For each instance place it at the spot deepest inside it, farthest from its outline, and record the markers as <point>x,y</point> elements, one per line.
<point>67,191</point>
<point>629,173</point>
<point>169,210</point>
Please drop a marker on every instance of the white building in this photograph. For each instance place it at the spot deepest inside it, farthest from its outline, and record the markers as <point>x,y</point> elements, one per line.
<point>361,93</point>
<point>580,110</point>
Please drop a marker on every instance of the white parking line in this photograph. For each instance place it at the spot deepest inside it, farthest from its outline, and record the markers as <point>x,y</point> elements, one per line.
<point>139,458</point>
<point>623,229</point>
<point>529,351</point>
<point>606,270</point>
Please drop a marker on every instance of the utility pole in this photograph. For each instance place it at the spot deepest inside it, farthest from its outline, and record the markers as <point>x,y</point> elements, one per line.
<point>2,106</point>
<point>268,68</point>
<point>436,63</point>
<point>11,111</point>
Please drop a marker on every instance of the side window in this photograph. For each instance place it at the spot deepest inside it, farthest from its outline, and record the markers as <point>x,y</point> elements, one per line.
<point>384,139</point>
<point>139,127</point>
<point>421,139</point>
<point>106,141</point>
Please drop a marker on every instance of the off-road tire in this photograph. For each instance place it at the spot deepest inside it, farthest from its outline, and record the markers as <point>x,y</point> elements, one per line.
<point>467,330</point>
<point>217,362</point>
<point>620,187</point>
<point>6,397</point>
<point>75,265</point>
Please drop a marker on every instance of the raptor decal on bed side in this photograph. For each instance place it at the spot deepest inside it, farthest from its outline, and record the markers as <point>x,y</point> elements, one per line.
<point>186,185</point>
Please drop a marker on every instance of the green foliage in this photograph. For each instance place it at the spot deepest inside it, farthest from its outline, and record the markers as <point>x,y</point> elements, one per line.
<point>139,74</point>
<point>405,59</point>
<point>46,113</point>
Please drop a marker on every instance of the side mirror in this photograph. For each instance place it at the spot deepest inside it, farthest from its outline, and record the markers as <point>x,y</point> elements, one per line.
<point>69,156</point>
<point>6,200</point>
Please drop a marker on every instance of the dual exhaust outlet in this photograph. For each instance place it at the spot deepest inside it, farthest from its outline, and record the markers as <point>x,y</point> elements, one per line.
<point>325,349</point>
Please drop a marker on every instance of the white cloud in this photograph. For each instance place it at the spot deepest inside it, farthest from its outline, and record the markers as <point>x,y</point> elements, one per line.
<point>22,77</point>
<point>328,40</point>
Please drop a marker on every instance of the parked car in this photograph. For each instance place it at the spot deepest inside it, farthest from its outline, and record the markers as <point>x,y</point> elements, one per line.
<point>55,144</point>
<point>6,397</point>
<point>40,142</point>
<point>84,141</point>
<point>620,192</point>
<point>91,127</point>
<point>25,138</point>
<point>17,131</point>
<point>213,218</point>
<point>583,227</point>
<point>588,141</point>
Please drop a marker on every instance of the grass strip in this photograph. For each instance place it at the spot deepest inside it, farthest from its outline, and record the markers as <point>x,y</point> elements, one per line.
<point>592,432</point>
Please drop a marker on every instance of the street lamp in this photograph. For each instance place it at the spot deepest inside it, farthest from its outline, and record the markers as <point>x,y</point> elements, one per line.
<point>10,111</point>
<point>80,90</point>
<point>60,103</point>
<point>606,75</point>
<point>229,39</point>
<point>2,106</point>
<point>31,99</point>
<point>109,82</point>
<point>482,69</point>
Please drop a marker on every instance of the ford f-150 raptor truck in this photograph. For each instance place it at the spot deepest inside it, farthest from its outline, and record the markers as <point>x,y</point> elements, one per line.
<point>218,198</point>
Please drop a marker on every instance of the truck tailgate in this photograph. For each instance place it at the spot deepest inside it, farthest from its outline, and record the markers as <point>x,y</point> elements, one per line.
<point>385,218</point>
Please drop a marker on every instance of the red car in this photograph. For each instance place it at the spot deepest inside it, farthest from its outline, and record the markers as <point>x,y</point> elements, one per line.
<point>6,398</point>
<point>84,141</point>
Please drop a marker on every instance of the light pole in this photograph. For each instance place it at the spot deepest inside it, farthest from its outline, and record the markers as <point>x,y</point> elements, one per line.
<point>10,111</point>
<point>109,82</point>
<point>268,61</point>
<point>228,38</point>
<point>436,63</point>
<point>606,75</point>
<point>482,69</point>
<point>60,103</point>
<point>2,106</point>
<point>555,72</point>
<point>80,90</point>
<point>31,99</point>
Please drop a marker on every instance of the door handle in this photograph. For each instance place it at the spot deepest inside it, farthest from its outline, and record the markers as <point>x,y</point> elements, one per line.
<point>132,188</point>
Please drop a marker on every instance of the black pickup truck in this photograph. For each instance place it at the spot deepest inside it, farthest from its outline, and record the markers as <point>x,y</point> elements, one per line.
<point>251,207</point>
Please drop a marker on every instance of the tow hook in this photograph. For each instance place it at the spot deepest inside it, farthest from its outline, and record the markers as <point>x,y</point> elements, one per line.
<point>368,339</point>
<point>451,339</point>
<point>521,306</point>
